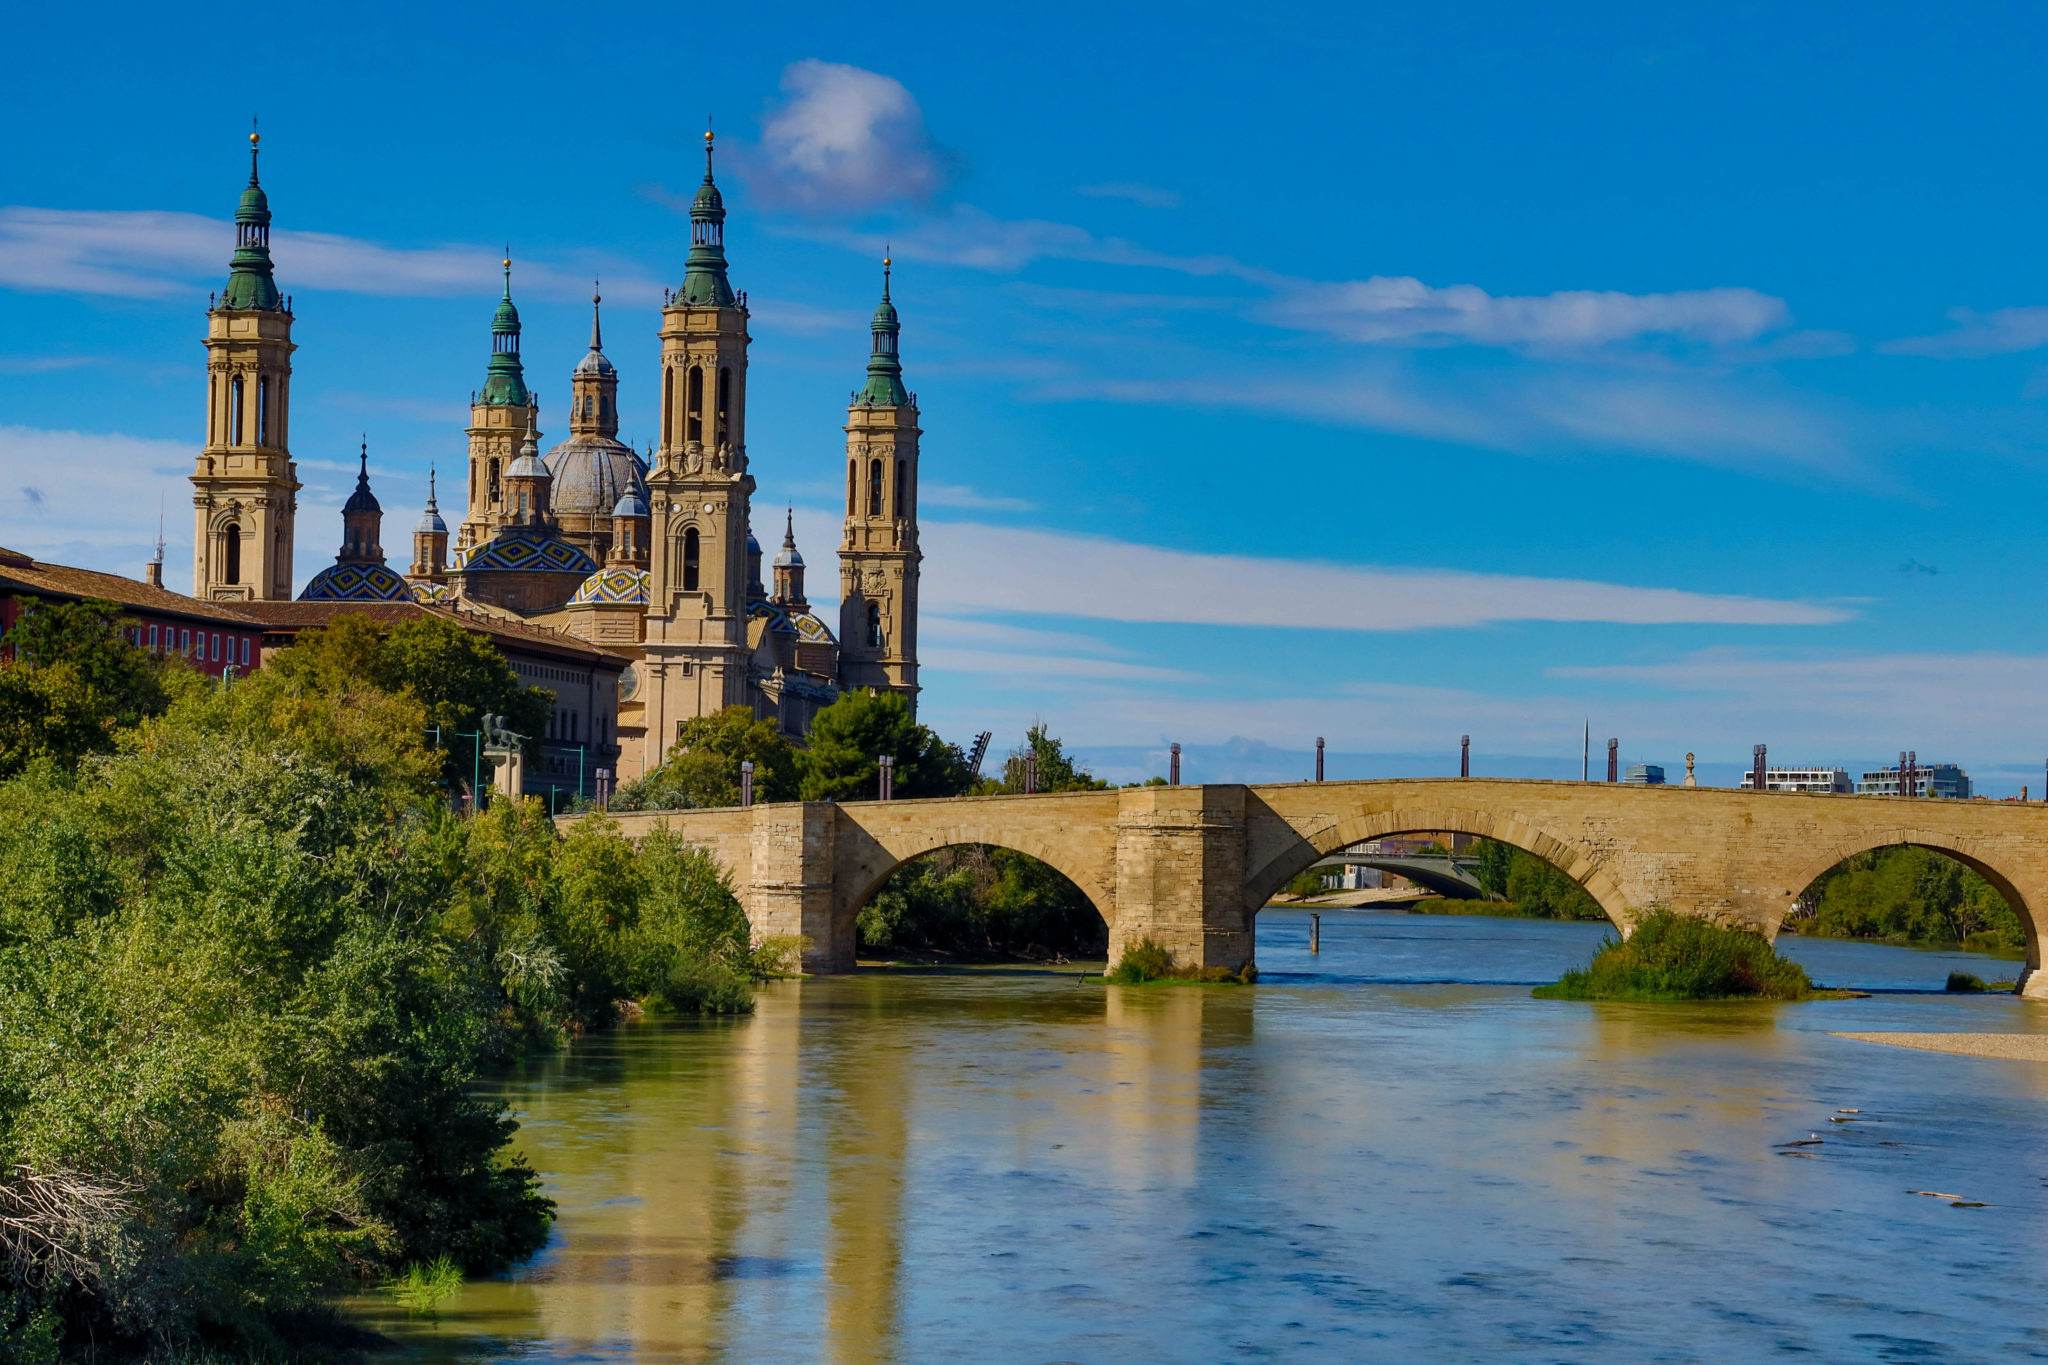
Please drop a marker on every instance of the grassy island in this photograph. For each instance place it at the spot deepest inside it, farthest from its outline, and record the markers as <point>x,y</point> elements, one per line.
<point>1680,957</point>
<point>1146,962</point>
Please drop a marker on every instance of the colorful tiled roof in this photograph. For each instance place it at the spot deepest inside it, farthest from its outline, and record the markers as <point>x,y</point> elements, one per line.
<point>527,554</point>
<point>432,592</point>
<point>616,585</point>
<point>356,583</point>
<point>803,625</point>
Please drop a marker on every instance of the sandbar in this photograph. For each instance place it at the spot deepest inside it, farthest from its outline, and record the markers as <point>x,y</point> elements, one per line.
<point>2015,1047</point>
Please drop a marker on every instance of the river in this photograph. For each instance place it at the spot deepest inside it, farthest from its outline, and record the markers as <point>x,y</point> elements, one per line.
<point>1384,1152</point>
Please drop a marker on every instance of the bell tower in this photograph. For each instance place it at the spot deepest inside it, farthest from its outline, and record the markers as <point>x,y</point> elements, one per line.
<point>878,557</point>
<point>500,414</point>
<point>244,483</point>
<point>699,489</point>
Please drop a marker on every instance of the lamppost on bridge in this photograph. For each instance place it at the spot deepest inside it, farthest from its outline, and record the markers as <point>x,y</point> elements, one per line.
<point>1173,764</point>
<point>1756,766</point>
<point>747,781</point>
<point>1464,755</point>
<point>1319,758</point>
<point>1614,760</point>
<point>885,777</point>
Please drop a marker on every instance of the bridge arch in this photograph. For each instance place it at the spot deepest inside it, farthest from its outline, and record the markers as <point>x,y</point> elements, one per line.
<point>872,847</point>
<point>1574,860</point>
<point>1965,851</point>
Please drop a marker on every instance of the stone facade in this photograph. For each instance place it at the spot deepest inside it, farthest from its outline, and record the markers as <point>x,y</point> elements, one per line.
<point>1190,867</point>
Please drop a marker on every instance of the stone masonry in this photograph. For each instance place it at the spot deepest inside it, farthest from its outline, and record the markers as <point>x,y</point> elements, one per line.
<point>1190,866</point>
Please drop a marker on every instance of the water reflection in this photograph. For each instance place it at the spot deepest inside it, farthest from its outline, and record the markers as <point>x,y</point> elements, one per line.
<point>1020,1166</point>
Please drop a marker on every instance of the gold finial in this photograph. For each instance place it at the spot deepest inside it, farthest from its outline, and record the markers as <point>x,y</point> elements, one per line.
<point>508,262</point>
<point>253,139</point>
<point>885,263</point>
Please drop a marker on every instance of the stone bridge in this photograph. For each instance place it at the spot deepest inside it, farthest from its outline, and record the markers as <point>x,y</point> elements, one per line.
<point>1191,866</point>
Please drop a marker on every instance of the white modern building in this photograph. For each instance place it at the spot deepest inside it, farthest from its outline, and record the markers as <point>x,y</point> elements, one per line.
<point>1929,779</point>
<point>1802,780</point>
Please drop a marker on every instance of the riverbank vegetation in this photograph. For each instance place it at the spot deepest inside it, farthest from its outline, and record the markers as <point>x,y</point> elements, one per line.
<point>1146,962</point>
<point>252,966</point>
<point>1909,897</point>
<point>1673,957</point>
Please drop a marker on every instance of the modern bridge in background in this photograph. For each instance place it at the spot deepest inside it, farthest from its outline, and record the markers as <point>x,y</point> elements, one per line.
<point>1451,877</point>
<point>1190,866</point>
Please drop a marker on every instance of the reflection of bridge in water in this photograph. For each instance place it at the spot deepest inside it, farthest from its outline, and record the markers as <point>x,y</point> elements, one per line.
<point>1189,867</point>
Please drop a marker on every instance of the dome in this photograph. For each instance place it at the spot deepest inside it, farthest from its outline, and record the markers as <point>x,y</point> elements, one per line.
<point>527,554</point>
<point>433,594</point>
<point>527,466</point>
<point>591,475</point>
<point>506,319</point>
<point>254,206</point>
<point>430,523</point>
<point>789,558</point>
<point>356,583</point>
<point>594,362</point>
<point>633,502</point>
<point>708,199</point>
<point>614,586</point>
<point>804,625</point>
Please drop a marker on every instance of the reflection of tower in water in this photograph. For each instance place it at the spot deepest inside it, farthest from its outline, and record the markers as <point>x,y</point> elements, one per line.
<point>866,1130</point>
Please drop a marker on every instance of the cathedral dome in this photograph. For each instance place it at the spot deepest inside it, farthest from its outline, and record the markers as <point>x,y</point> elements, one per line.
<point>594,362</point>
<point>356,583</point>
<point>618,585</point>
<point>591,474</point>
<point>510,553</point>
<point>781,620</point>
<point>430,523</point>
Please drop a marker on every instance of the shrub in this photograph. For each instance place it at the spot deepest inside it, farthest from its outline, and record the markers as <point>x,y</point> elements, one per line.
<point>425,1286</point>
<point>1146,961</point>
<point>1682,957</point>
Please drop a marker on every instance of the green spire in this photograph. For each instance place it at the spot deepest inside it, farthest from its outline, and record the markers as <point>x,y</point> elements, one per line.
<point>505,384</point>
<point>704,280</point>
<point>884,388</point>
<point>250,284</point>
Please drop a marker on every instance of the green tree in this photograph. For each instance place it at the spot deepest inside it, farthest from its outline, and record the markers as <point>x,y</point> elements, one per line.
<point>703,765</point>
<point>73,684</point>
<point>460,677</point>
<point>1057,771</point>
<point>1908,895</point>
<point>847,737</point>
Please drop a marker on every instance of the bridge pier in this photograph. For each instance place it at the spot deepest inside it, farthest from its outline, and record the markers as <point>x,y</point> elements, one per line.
<point>788,889</point>
<point>1180,872</point>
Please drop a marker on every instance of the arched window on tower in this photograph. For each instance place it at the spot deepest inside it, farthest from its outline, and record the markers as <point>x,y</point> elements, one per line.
<point>231,553</point>
<point>724,403</point>
<point>874,488</point>
<point>690,545</point>
<point>852,479</point>
<point>695,407</point>
<point>668,403</point>
<point>263,411</point>
<point>900,485</point>
<point>235,437</point>
<point>874,625</point>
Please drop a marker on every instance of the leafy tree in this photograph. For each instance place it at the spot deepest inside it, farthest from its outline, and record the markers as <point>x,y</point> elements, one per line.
<point>1908,895</point>
<point>703,765</point>
<point>73,683</point>
<point>847,736</point>
<point>976,900</point>
<point>1536,888</point>
<point>1057,771</point>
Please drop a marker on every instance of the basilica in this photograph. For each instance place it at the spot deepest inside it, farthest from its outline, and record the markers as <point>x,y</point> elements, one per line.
<point>650,558</point>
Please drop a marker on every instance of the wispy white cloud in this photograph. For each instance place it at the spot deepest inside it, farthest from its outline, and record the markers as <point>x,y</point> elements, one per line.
<point>1119,581</point>
<point>153,253</point>
<point>1386,309</point>
<point>1685,416</point>
<point>91,499</point>
<point>1998,332</point>
<point>1149,196</point>
<point>46,364</point>
<point>843,139</point>
<point>1000,635</point>
<point>1045,670</point>
<point>962,498</point>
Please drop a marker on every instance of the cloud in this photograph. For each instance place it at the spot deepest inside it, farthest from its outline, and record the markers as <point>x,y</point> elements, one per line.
<point>1386,309</point>
<point>963,498</point>
<point>1682,416</point>
<point>1999,332</point>
<point>1119,581</point>
<point>1045,670</point>
<point>102,512</point>
<point>1150,196</point>
<point>46,364</point>
<point>844,139</point>
<point>155,253</point>
<point>978,240</point>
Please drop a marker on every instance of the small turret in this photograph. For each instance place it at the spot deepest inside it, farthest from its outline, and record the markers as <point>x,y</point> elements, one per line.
<point>789,569</point>
<point>594,386</point>
<point>755,592</point>
<point>629,529</point>
<point>362,520</point>
<point>884,388</point>
<point>527,482</point>
<point>250,283</point>
<point>430,540</point>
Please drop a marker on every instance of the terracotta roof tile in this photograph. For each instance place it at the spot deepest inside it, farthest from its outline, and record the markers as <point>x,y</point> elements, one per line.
<point>21,574</point>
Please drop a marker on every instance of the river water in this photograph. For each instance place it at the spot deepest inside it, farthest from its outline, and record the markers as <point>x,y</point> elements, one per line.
<point>1384,1152</point>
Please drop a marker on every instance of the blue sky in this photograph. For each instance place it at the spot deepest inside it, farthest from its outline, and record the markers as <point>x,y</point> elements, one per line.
<point>1353,372</point>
